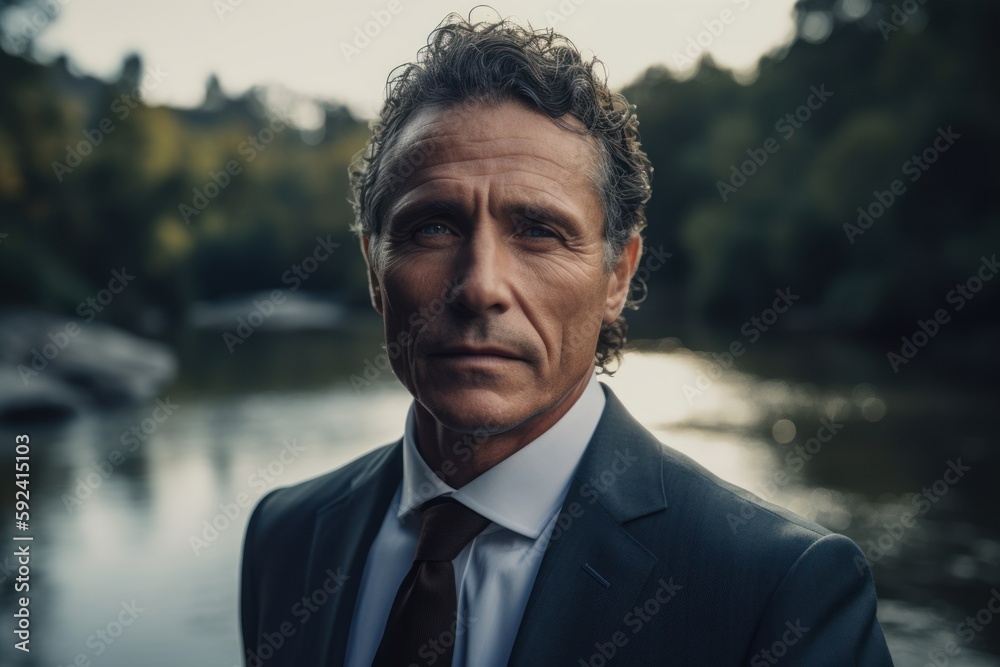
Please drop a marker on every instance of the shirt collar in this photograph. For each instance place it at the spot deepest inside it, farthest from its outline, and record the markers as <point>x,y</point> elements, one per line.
<point>523,491</point>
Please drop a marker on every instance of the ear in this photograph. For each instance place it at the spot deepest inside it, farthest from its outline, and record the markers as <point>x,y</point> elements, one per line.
<point>621,278</point>
<point>374,289</point>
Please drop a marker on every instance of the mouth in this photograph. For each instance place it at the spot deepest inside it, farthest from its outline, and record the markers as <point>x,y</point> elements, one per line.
<point>477,352</point>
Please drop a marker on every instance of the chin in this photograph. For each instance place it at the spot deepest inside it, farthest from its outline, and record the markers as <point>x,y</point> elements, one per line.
<point>474,409</point>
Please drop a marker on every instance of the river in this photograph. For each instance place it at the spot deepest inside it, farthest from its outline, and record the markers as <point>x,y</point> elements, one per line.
<point>136,554</point>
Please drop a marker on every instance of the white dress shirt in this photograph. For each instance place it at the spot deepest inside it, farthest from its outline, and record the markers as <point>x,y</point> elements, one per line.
<point>495,572</point>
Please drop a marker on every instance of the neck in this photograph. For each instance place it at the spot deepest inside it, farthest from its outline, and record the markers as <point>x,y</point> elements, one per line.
<point>447,451</point>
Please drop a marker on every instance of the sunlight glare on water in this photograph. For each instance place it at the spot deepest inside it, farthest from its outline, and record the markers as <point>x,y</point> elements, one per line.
<point>707,419</point>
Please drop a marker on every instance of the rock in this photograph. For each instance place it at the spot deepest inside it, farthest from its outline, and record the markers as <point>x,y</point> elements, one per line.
<point>54,367</point>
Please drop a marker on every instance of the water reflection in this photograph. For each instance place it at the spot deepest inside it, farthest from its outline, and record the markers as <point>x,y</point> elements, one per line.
<point>158,528</point>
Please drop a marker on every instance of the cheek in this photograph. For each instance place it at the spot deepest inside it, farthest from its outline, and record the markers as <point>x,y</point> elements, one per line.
<point>580,338</point>
<point>412,296</point>
<point>407,288</point>
<point>402,301</point>
<point>568,314</point>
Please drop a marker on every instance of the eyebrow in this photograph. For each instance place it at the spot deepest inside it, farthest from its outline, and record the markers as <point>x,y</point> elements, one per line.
<point>432,206</point>
<point>532,210</point>
<point>542,213</point>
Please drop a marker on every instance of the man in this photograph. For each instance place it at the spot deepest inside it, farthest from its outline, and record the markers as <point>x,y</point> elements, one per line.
<point>525,518</point>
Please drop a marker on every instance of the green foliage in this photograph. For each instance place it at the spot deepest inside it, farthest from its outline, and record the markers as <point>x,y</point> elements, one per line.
<point>128,199</point>
<point>787,225</point>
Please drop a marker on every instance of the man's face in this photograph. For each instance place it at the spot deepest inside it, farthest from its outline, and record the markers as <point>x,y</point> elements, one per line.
<point>503,205</point>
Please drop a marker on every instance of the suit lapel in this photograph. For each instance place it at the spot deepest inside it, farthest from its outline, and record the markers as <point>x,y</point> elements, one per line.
<point>594,572</point>
<point>592,575</point>
<point>345,530</point>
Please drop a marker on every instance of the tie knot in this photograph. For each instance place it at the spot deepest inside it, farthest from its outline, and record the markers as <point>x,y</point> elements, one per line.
<point>446,527</point>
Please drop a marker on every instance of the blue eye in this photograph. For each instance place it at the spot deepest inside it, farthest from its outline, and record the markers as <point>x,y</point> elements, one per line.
<point>538,232</point>
<point>433,229</point>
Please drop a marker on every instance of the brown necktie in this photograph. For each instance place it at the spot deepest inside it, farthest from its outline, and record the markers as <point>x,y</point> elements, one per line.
<point>426,605</point>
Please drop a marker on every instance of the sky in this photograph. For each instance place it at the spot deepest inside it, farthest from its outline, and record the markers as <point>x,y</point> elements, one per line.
<point>342,51</point>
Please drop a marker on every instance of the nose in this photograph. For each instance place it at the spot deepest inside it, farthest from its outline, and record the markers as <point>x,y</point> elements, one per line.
<point>484,269</point>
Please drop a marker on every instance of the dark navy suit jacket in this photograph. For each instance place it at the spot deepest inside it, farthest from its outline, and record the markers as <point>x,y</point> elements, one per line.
<point>654,561</point>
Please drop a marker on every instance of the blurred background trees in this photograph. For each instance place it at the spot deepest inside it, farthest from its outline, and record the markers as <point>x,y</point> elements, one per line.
<point>894,84</point>
<point>209,207</point>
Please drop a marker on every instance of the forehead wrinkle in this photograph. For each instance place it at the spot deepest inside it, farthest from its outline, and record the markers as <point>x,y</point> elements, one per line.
<point>508,161</point>
<point>457,143</point>
<point>528,168</point>
<point>564,205</point>
<point>558,202</point>
<point>519,176</point>
<point>441,126</point>
<point>431,127</point>
<point>424,193</point>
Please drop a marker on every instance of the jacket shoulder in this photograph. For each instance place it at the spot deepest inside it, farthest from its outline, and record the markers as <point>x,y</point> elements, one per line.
<point>292,507</point>
<point>700,507</point>
<point>771,567</point>
<point>689,484</point>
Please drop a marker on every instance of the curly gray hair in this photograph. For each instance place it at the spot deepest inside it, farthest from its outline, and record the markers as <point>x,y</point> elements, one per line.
<point>498,61</point>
